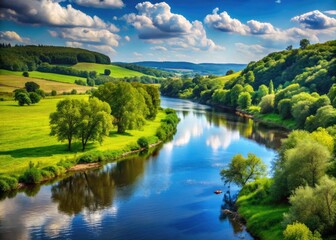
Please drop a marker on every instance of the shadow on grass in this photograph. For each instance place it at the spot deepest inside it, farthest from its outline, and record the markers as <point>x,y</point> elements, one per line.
<point>116,134</point>
<point>45,151</point>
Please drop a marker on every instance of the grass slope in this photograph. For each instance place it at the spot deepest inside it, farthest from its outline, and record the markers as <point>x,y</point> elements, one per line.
<point>46,76</point>
<point>24,136</point>
<point>116,72</point>
<point>224,79</point>
<point>8,83</point>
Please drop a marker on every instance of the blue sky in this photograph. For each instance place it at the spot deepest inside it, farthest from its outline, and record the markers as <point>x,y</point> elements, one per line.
<point>221,31</point>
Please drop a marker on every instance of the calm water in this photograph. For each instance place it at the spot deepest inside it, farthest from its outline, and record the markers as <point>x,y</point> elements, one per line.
<point>168,195</point>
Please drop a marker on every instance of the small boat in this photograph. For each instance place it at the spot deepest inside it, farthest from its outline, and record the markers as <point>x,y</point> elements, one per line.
<point>218,191</point>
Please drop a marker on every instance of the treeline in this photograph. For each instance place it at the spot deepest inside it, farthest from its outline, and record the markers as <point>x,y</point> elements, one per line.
<point>302,90</point>
<point>46,67</point>
<point>24,58</point>
<point>145,70</point>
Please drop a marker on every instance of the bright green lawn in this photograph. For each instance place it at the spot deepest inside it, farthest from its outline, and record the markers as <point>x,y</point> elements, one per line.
<point>46,76</point>
<point>225,79</point>
<point>116,72</point>
<point>24,136</point>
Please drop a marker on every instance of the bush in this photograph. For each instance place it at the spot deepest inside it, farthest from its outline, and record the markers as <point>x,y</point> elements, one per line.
<point>80,82</point>
<point>299,231</point>
<point>25,74</point>
<point>143,142</point>
<point>31,175</point>
<point>12,182</point>
<point>107,72</point>
<point>34,97</point>
<point>161,134</point>
<point>267,104</point>
<point>73,92</point>
<point>53,93</point>
<point>4,187</point>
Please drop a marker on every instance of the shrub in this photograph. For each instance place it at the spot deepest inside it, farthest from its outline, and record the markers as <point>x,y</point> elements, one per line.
<point>31,175</point>
<point>12,182</point>
<point>143,142</point>
<point>34,97</point>
<point>299,231</point>
<point>73,92</point>
<point>4,187</point>
<point>53,93</point>
<point>161,134</point>
<point>107,72</point>
<point>267,104</point>
<point>25,74</point>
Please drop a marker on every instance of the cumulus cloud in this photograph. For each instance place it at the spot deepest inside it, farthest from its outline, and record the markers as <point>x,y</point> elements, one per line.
<point>223,22</point>
<point>100,3</point>
<point>315,20</point>
<point>11,36</point>
<point>156,24</point>
<point>331,12</point>
<point>87,35</point>
<point>253,51</point>
<point>47,12</point>
<point>127,38</point>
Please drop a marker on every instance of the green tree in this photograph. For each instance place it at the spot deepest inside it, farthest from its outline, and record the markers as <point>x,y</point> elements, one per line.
<point>229,72</point>
<point>241,170</point>
<point>25,74</point>
<point>267,104</point>
<point>23,98</point>
<point>271,87</point>
<point>244,100</point>
<point>299,231</point>
<point>262,91</point>
<point>304,43</point>
<point>127,104</point>
<point>34,97</point>
<point>284,108</point>
<point>315,207</point>
<point>31,86</point>
<point>234,94</point>
<point>53,93</point>
<point>65,122</point>
<point>250,77</point>
<point>95,122</point>
<point>107,72</point>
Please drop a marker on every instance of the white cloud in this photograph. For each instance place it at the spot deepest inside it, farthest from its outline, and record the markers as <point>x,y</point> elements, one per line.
<point>11,36</point>
<point>331,12</point>
<point>87,35</point>
<point>127,38</point>
<point>159,48</point>
<point>47,12</point>
<point>315,20</point>
<point>137,54</point>
<point>277,1</point>
<point>156,24</point>
<point>100,3</point>
<point>253,51</point>
<point>74,44</point>
<point>225,23</point>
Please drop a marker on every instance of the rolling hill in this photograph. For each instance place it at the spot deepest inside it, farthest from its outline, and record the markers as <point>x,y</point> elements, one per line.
<point>193,68</point>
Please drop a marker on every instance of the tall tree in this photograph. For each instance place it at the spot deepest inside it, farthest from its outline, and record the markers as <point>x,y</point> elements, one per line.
<point>128,106</point>
<point>304,43</point>
<point>65,122</point>
<point>241,170</point>
<point>95,122</point>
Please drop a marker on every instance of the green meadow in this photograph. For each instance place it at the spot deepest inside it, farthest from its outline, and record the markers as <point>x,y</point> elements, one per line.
<point>24,136</point>
<point>116,72</point>
<point>45,76</point>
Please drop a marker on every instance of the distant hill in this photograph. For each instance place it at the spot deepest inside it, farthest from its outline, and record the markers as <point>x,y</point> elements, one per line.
<point>23,58</point>
<point>193,68</point>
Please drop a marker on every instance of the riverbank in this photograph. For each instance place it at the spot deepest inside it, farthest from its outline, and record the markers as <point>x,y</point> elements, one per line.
<point>44,158</point>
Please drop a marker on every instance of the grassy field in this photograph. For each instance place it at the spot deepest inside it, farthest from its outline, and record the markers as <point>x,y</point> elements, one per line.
<point>116,72</point>
<point>273,119</point>
<point>8,83</point>
<point>24,136</point>
<point>46,76</point>
<point>225,79</point>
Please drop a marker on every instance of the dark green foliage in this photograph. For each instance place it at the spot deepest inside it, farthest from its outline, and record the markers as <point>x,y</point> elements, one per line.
<point>304,43</point>
<point>90,82</point>
<point>7,183</point>
<point>23,98</point>
<point>31,86</point>
<point>244,100</point>
<point>46,67</point>
<point>284,108</point>
<point>34,97</point>
<point>267,104</point>
<point>31,175</point>
<point>229,72</point>
<point>143,142</point>
<point>168,125</point>
<point>25,74</point>
<point>23,58</point>
<point>80,82</point>
<point>53,93</point>
<point>73,92</point>
<point>107,72</point>
<point>234,94</point>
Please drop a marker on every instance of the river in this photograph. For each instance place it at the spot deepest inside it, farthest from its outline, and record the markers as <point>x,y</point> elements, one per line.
<point>167,195</point>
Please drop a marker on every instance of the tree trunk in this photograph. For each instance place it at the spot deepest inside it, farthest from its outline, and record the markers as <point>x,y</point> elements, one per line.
<point>69,144</point>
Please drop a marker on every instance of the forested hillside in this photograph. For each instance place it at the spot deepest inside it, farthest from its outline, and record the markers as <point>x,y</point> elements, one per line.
<point>23,58</point>
<point>295,87</point>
